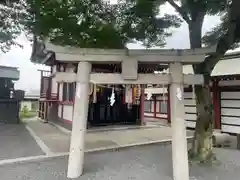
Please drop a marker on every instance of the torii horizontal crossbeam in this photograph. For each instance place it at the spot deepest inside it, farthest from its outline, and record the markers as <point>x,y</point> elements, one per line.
<point>110,78</point>
<point>184,56</point>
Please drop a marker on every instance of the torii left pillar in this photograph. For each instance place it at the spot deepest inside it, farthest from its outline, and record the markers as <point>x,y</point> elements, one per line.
<point>179,138</point>
<point>80,116</point>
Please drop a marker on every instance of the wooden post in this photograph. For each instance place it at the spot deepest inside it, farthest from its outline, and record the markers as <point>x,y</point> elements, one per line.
<point>169,105</point>
<point>80,116</point>
<point>155,106</point>
<point>142,99</point>
<point>216,104</point>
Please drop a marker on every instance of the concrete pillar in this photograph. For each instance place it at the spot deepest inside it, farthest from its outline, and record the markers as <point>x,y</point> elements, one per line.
<point>179,141</point>
<point>80,115</point>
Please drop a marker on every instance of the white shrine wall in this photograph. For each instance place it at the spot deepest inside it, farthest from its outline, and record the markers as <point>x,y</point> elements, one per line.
<point>54,86</point>
<point>67,113</point>
<point>230,107</point>
<point>190,109</point>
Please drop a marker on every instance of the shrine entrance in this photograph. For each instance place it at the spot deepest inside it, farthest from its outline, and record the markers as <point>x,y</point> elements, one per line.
<point>130,74</point>
<point>103,113</point>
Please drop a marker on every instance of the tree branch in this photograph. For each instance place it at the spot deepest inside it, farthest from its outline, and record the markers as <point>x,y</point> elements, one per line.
<point>225,42</point>
<point>180,10</point>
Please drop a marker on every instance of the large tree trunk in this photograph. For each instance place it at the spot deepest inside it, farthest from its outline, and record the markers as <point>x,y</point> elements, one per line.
<point>202,144</point>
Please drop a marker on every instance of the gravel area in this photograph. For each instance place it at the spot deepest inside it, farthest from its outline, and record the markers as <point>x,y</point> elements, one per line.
<point>138,163</point>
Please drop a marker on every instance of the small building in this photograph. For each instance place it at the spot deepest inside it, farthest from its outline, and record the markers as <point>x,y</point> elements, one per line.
<point>225,97</point>
<point>56,101</point>
<point>9,98</point>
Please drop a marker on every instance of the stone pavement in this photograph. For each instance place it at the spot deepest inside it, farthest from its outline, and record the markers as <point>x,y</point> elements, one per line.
<point>58,141</point>
<point>16,142</point>
<point>152,162</point>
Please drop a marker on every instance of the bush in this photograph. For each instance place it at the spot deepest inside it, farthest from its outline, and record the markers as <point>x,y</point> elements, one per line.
<point>25,113</point>
<point>25,109</point>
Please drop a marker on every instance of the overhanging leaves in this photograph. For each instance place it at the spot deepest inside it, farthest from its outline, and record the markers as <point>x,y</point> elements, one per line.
<point>11,14</point>
<point>97,24</point>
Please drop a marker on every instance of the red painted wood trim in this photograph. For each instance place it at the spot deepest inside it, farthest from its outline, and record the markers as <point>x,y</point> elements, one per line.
<point>169,105</point>
<point>132,95</point>
<point>66,102</point>
<point>62,112</point>
<point>217,105</point>
<point>155,117</point>
<point>74,94</point>
<point>67,121</point>
<point>155,107</point>
<point>142,98</point>
<point>124,94</point>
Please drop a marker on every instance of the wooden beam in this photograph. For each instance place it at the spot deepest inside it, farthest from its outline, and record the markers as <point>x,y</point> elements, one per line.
<point>65,77</point>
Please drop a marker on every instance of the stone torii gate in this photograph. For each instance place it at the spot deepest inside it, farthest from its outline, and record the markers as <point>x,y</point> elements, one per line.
<point>129,60</point>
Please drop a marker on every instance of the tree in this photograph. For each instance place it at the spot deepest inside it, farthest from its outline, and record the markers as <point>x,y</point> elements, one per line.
<point>97,24</point>
<point>11,14</point>
<point>224,36</point>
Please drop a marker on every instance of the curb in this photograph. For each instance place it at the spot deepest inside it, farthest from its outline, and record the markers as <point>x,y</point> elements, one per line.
<point>121,147</point>
<point>65,130</point>
<point>30,159</point>
<point>62,129</point>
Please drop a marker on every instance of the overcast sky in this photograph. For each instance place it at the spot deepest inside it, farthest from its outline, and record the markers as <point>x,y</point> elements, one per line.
<point>30,77</point>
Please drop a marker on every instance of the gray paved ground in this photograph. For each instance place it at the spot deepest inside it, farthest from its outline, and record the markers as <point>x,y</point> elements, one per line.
<point>58,142</point>
<point>139,163</point>
<point>15,142</point>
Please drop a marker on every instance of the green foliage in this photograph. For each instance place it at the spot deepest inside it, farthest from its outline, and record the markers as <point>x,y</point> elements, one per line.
<point>11,15</point>
<point>25,109</point>
<point>212,36</point>
<point>29,114</point>
<point>25,113</point>
<point>219,31</point>
<point>139,20</point>
<point>98,24</point>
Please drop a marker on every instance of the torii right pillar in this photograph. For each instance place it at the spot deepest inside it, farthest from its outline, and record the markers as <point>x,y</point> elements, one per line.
<point>179,138</point>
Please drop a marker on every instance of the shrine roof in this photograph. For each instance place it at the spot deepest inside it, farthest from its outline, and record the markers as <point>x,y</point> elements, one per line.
<point>9,72</point>
<point>228,65</point>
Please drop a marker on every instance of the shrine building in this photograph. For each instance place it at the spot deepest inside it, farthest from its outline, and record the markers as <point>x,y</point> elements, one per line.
<point>225,87</point>
<point>95,87</point>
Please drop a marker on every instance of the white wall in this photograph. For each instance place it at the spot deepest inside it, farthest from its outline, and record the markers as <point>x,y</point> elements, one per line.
<point>190,109</point>
<point>54,86</point>
<point>230,112</point>
<point>60,91</point>
<point>60,111</point>
<point>68,112</point>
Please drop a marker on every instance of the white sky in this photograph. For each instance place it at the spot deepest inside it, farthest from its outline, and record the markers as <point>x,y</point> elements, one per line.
<point>30,77</point>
